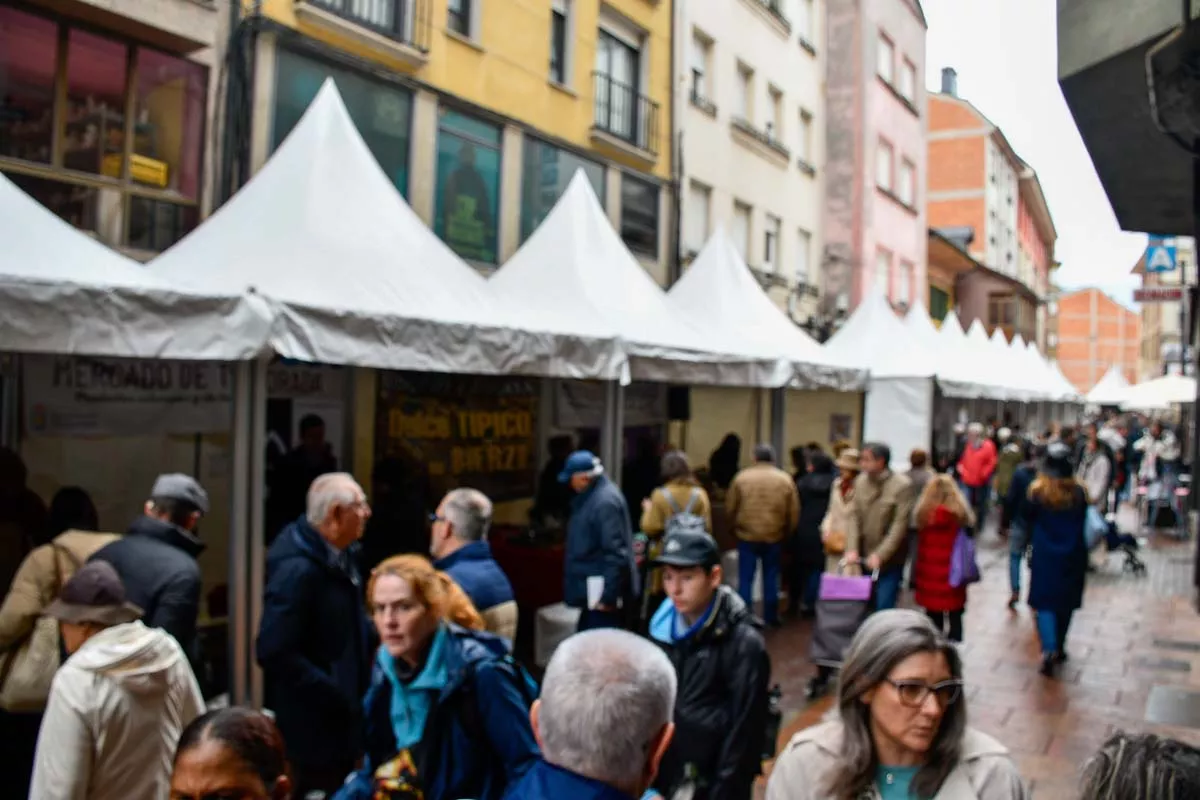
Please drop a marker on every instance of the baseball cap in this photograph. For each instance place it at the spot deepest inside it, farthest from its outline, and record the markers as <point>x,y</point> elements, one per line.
<point>580,461</point>
<point>182,488</point>
<point>94,594</point>
<point>688,549</point>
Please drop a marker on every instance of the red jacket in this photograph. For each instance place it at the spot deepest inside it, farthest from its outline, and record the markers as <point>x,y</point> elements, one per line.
<point>976,464</point>
<point>931,572</point>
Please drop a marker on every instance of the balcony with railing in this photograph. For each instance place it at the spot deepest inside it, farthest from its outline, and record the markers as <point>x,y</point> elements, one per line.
<point>625,118</point>
<point>399,27</point>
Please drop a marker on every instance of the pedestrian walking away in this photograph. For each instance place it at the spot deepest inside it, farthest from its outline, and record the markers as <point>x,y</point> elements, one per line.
<point>1012,517</point>
<point>942,512</point>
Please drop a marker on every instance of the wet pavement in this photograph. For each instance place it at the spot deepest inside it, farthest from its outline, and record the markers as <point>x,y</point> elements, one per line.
<point>1134,664</point>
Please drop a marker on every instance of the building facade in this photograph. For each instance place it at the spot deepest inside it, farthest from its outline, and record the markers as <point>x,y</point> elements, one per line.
<point>979,185</point>
<point>751,112</point>
<point>1096,333</point>
<point>949,261</point>
<point>1163,344</point>
<point>481,111</point>
<point>107,109</point>
<point>875,174</point>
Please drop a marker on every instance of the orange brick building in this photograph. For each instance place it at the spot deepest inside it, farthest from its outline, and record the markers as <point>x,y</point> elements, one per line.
<point>1096,332</point>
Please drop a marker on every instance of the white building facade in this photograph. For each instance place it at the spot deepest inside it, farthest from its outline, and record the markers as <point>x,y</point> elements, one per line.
<point>750,111</point>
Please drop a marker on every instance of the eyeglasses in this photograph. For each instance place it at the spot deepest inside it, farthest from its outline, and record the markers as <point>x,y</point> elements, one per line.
<point>436,518</point>
<point>914,693</point>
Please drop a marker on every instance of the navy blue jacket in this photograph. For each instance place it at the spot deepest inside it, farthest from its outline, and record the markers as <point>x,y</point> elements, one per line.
<point>313,647</point>
<point>599,542</point>
<point>1014,503</point>
<point>450,760</point>
<point>1059,567</point>
<point>473,569</point>
<point>548,782</point>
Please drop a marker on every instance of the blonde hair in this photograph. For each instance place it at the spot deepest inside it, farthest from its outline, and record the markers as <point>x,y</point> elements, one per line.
<point>435,590</point>
<point>943,491</point>
<point>1057,493</point>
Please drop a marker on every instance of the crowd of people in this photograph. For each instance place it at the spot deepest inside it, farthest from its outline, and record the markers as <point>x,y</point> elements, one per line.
<point>396,679</point>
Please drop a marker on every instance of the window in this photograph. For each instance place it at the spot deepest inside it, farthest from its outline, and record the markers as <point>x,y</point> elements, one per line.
<point>908,81</point>
<point>907,183</point>
<point>639,215</point>
<point>885,58</point>
<point>804,21</point>
<point>698,214</point>
<point>771,244</point>
<point>775,123</point>
<point>883,166</point>
<point>806,137</point>
<point>803,246</point>
<point>1000,310</point>
<point>904,283</point>
<point>458,16</point>
<point>618,70</point>
<point>560,42</point>
<point>939,303</point>
<point>701,56</point>
<point>883,271</point>
<point>64,97</point>
<point>545,172</point>
<point>467,199</point>
<point>741,229</point>
<point>743,103</point>
<point>381,111</point>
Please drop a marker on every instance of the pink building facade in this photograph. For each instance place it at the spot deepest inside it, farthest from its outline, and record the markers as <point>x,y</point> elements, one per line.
<point>875,221</point>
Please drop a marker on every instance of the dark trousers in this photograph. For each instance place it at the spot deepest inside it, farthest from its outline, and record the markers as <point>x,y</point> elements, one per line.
<point>977,496</point>
<point>749,554</point>
<point>590,619</point>
<point>804,582</point>
<point>948,619</point>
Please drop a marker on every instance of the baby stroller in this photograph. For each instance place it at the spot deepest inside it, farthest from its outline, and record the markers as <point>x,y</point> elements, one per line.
<point>1124,543</point>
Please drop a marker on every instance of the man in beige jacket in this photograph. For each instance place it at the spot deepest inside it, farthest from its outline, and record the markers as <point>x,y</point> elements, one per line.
<point>764,506</point>
<point>877,525</point>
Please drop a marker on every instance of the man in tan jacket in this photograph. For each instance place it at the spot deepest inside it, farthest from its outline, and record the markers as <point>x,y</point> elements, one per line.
<point>764,506</point>
<point>877,525</point>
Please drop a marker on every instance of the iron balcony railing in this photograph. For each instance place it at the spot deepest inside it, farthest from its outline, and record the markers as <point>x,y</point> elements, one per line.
<point>406,21</point>
<point>621,112</point>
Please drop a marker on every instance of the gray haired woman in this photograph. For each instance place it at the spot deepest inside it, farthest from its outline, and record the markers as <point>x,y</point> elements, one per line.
<point>1133,766</point>
<point>901,729</point>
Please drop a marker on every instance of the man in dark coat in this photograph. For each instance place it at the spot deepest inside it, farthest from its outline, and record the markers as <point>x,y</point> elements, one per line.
<point>313,641</point>
<point>599,545</point>
<point>723,669</point>
<point>157,558</point>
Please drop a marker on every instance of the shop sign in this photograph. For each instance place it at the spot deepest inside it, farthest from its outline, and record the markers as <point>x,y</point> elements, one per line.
<point>83,396</point>
<point>1158,294</point>
<point>476,431</point>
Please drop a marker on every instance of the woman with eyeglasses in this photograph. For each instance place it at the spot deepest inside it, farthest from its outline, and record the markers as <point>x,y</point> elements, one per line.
<point>901,727</point>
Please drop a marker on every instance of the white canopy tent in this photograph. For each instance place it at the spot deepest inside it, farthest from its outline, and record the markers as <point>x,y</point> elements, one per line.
<point>1004,362</point>
<point>356,277</point>
<point>719,289</point>
<point>62,291</point>
<point>1160,393</point>
<point>574,274</point>
<point>967,375</point>
<point>899,402</point>
<point>1110,390</point>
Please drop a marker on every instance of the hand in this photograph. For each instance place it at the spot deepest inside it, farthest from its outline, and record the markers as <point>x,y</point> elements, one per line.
<point>646,504</point>
<point>873,562</point>
<point>850,557</point>
<point>604,607</point>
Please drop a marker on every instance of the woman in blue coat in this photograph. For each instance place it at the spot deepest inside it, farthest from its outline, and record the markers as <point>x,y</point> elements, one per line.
<point>1054,516</point>
<point>447,714</point>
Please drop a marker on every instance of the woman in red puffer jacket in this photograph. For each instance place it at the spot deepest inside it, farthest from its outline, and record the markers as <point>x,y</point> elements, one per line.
<point>941,512</point>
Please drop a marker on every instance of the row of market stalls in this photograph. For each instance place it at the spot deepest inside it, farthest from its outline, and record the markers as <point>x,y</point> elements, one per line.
<point>1165,393</point>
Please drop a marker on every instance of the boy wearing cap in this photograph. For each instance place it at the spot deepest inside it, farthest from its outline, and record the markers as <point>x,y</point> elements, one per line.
<point>118,705</point>
<point>157,558</point>
<point>721,662</point>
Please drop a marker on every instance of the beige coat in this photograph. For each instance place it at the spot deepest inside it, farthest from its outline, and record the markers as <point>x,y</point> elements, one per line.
<point>33,587</point>
<point>985,771</point>
<point>879,517</point>
<point>836,519</point>
<point>763,504</point>
<point>502,620</point>
<point>654,519</point>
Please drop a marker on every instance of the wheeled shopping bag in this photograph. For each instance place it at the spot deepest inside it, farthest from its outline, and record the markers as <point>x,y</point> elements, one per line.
<point>843,602</point>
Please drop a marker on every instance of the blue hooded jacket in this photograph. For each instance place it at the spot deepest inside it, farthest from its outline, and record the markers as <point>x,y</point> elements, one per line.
<point>599,543</point>
<point>476,739</point>
<point>473,568</point>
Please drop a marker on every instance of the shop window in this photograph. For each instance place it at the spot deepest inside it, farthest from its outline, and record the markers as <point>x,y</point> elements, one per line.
<point>169,128</point>
<point>939,303</point>
<point>639,215</point>
<point>467,202</point>
<point>381,112</point>
<point>77,205</point>
<point>545,172</point>
<point>94,138</point>
<point>28,47</point>
<point>155,225</point>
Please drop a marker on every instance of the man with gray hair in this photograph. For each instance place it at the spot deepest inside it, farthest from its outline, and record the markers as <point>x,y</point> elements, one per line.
<point>313,639</point>
<point>458,544</point>
<point>603,721</point>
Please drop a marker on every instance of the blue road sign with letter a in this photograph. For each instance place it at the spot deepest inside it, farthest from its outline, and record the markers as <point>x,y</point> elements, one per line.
<point>1160,256</point>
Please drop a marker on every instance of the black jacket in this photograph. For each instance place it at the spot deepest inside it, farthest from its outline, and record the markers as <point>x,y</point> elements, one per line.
<point>814,488</point>
<point>313,646</point>
<point>157,563</point>
<point>721,704</point>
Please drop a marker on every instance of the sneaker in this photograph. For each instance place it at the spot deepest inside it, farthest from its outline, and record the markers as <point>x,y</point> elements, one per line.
<point>1049,662</point>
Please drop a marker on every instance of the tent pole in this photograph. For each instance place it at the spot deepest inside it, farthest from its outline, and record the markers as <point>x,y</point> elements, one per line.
<point>257,543</point>
<point>239,537</point>
<point>618,444</point>
<point>541,447</point>
<point>778,421</point>
<point>612,432</point>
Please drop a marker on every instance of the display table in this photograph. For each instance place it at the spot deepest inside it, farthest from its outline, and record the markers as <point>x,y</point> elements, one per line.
<point>534,569</point>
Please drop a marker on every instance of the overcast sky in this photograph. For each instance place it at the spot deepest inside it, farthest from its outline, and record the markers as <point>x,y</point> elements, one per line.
<point>1005,52</point>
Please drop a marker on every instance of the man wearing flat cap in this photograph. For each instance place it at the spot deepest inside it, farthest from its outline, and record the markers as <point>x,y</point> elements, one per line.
<point>118,704</point>
<point>157,558</point>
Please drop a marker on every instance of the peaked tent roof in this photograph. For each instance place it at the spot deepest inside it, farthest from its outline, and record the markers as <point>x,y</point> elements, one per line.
<point>875,336</point>
<point>62,291</point>
<point>575,274</point>
<point>1004,363</point>
<point>718,287</point>
<point>1160,393</point>
<point>1030,364</point>
<point>964,375</point>
<point>1040,365</point>
<point>356,276</point>
<point>1110,390</point>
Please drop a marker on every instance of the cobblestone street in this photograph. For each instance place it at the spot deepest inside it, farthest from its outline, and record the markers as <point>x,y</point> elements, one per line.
<point>1133,648</point>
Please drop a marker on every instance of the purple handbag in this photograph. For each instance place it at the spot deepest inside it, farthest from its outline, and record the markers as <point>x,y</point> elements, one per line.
<point>845,587</point>
<point>963,568</point>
